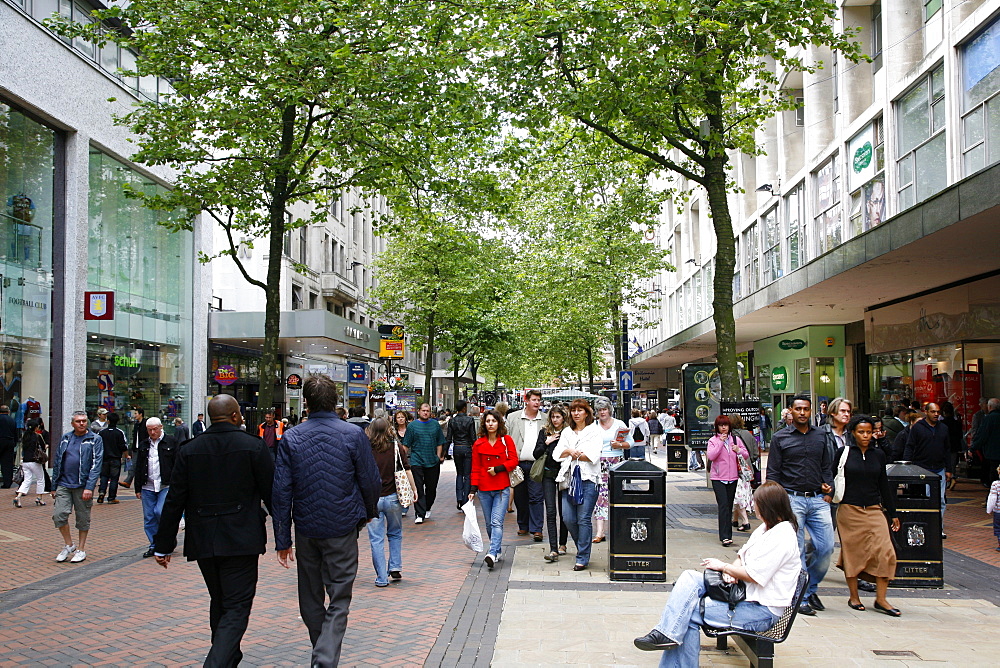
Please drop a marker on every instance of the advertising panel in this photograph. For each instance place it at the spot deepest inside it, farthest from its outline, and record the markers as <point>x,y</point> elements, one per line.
<point>701,390</point>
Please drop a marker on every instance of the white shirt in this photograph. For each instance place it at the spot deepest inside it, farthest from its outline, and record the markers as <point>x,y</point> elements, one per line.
<point>771,558</point>
<point>531,427</point>
<point>153,481</point>
<point>589,441</point>
<point>668,421</point>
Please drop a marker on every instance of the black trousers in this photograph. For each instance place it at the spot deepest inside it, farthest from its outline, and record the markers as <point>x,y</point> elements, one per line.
<point>553,504</point>
<point>529,501</point>
<point>326,567</point>
<point>426,479</point>
<point>232,584</point>
<point>7,451</point>
<point>725,495</point>
<point>111,469</point>
<point>462,454</point>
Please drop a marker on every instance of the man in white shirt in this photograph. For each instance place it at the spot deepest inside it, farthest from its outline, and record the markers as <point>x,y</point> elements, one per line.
<point>154,464</point>
<point>523,426</point>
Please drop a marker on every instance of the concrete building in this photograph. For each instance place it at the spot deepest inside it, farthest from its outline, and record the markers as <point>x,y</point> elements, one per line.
<point>66,229</point>
<point>867,233</point>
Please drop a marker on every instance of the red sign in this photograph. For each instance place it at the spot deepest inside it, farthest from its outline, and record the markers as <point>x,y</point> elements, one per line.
<point>99,305</point>
<point>294,381</point>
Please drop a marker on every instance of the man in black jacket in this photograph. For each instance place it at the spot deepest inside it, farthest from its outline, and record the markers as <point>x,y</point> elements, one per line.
<point>153,466</point>
<point>219,481</point>
<point>927,446</point>
<point>114,448</point>
<point>462,433</point>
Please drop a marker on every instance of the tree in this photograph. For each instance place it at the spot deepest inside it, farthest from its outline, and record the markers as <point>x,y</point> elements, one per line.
<point>280,104</point>
<point>677,84</point>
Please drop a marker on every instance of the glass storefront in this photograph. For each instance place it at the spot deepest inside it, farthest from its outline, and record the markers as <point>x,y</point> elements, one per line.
<point>27,184</point>
<point>141,357</point>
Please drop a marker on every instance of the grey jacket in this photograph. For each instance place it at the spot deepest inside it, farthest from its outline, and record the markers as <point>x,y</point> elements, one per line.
<point>91,458</point>
<point>515,427</point>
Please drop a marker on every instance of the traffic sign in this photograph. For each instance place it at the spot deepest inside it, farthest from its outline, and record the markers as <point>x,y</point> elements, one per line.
<point>625,381</point>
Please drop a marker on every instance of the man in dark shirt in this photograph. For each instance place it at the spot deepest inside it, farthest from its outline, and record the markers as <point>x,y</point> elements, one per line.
<point>8,444</point>
<point>111,467</point>
<point>927,446</point>
<point>139,434</point>
<point>271,431</point>
<point>800,461</point>
<point>462,433</point>
<point>198,428</point>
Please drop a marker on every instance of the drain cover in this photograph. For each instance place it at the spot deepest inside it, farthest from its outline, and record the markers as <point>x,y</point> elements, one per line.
<point>895,652</point>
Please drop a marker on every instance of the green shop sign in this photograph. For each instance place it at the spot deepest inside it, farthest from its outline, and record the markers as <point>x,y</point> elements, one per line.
<point>863,157</point>
<point>792,344</point>
<point>779,378</point>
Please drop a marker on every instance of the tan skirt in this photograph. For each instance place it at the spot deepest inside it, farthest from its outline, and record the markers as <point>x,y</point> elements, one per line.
<point>866,550</point>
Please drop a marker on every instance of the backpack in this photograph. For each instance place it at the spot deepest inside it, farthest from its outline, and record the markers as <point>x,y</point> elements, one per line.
<point>637,435</point>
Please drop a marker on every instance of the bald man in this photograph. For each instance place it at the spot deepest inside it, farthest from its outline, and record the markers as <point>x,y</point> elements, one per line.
<point>928,446</point>
<point>218,482</point>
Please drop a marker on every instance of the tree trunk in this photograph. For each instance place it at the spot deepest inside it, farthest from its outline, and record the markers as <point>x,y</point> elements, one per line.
<point>429,358</point>
<point>590,367</point>
<point>272,294</point>
<point>722,286</point>
<point>474,370</point>
<point>619,325</point>
<point>455,360</point>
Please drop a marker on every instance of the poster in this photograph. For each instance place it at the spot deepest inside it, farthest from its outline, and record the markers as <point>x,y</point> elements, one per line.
<point>748,409</point>
<point>701,390</point>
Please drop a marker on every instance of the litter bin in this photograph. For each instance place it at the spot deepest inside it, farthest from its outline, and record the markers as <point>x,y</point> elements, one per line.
<point>677,454</point>
<point>637,492</point>
<point>919,551</point>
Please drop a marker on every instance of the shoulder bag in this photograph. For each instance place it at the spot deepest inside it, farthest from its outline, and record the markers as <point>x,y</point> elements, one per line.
<point>537,472</point>
<point>746,471</point>
<point>840,480</point>
<point>516,475</point>
<point>403,491</point>
<point>717,589</point>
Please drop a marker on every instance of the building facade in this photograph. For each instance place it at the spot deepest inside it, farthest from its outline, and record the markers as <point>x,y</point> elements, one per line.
<point>67,228</point>
<point>865,233</point>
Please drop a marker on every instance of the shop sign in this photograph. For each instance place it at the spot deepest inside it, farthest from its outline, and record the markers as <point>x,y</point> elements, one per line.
<point>748,409</point>
<point>378,396</point>
<point>225,375</point>
<point>355,333</point>
<point>125,361</point>
<point>791,344</point>
<point>353,391</point>
<point>389,349</point>
<point>294,381</point>
<point>357,372</point>
<point>391,332</point>
<point>99,305</point>
<point>779,378</point>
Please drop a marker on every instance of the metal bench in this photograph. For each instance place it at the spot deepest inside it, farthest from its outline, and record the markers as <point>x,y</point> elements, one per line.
<point>759,647</point>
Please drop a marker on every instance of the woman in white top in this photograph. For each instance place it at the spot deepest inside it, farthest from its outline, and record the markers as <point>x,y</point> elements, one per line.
<point>611,454</point>
<point>769,565</point>
<point>580,447</point>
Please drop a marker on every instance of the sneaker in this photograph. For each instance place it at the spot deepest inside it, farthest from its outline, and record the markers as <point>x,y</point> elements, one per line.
<point>113,501</point>
<point>653,641</point>
<point>427,515</point>
<point>66,551</point>
<point>499,555</point>
<point>78,557</point>
<point>395,575</point>
<point>418,520</point>
<point>490,561</point>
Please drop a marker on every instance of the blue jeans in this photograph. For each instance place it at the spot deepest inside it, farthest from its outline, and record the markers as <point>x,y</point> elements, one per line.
<point>152,506</point>
<point>813,513</point>
<point>389,522</point>
<point>578,520</point>
<point>494,505</point>
<point>944,487</point>
<point>681,620</point>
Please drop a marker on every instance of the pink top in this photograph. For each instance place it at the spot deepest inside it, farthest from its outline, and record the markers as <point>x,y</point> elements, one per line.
<point>724,464</point>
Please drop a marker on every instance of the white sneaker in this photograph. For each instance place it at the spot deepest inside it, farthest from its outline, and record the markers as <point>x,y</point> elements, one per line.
<point>418,520</point>
<point>180,527</point>
<point>427,515</point>
<point>78,557</point>
<point>66,551</point>
<point>499,555</point>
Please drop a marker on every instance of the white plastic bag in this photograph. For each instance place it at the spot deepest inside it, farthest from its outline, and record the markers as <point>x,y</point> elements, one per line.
<point>471,535</point>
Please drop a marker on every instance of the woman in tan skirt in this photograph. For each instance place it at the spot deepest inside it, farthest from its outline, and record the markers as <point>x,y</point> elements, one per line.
<point>866,549</point>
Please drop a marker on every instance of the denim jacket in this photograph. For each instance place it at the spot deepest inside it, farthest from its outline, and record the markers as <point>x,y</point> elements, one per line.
<point>91,457</point>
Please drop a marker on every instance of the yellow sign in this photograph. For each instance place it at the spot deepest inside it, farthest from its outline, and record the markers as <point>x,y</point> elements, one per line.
<point>389,349</point>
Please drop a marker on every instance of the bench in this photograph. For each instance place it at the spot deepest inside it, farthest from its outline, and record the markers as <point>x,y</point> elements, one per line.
<point>759,647</point>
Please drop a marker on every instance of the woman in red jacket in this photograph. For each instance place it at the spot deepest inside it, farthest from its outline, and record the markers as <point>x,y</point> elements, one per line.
<point>493,455</point>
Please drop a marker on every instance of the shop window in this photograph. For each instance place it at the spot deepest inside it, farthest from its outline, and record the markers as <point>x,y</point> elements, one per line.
<point>751,259</point>
<point>827,224</point>
<point>795,228</point>
<point>921,163</point>
<point>772,246</point>
<point>866,152</point>
<point>981,103</point>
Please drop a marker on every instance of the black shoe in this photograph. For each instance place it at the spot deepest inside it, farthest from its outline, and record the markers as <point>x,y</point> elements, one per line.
<point>148,553</point>
<point>395,575</point>
<point>100,499</point>
<point>653,641</point>
<point>866,586</point>
<point>806,609</point>
<point>943,535</point>
<point>815,603</point>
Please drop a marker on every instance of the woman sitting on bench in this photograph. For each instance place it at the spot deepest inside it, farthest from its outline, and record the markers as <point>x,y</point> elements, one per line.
<point>769,564</point>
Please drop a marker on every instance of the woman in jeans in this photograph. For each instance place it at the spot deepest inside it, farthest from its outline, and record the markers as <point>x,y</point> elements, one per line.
<point>580,447</point>
<point>611,454</point>
<point>389,457</point>
<point>722,450</point>
<point>494,455</point>
<point>34,470</point>
<point>548,439</point>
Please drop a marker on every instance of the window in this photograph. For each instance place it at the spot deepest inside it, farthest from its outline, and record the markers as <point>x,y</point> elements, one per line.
<point>313,300</point>
<point>326,253</point>
<point>836,83</point>
<point>297,297</point>
<point>866,152</point>
<point>795,228</point>
<point>921,165</point>
<point>827,224</point>
<point>737,274</point>
<point>751,259</point>
<point>980,103</point>
<point>876,50</point>
<point>302,245</point>
<point>800,112</point>
<point>772,246</point>
<point>931,7</point>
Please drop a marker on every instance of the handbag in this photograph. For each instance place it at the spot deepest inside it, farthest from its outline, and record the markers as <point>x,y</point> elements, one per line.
<point>537,472</point>
<point>717,589</point>
<point>516,476</point>
<point>746,471</point>
<point>18,476</point>
<point>403,490</point>
<point>840,481</point>
<point>576,486</point>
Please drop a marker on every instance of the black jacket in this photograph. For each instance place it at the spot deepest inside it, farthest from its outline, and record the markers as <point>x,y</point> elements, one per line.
<point>168,452</point>
<point>543,448</point>
<point>218,483</point>
<point>462,430</point>
<point>927,446</point>
<point>114,443</point>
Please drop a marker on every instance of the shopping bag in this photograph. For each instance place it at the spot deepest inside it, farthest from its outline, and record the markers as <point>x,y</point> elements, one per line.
<point>471,535</point>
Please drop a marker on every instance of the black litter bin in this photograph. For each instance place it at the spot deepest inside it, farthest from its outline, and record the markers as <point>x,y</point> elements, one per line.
<point>919,551</point>
<point>637,491</point>
<point>677,454</point>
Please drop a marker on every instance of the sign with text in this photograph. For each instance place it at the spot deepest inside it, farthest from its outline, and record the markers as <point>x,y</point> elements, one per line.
<point>390,349</point>
<point>748,410</point>
<point>357,372</point>
<point>700,393</point>
<point>225,375</point>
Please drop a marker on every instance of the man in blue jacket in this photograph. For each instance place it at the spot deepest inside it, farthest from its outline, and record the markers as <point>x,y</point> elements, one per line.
<point>327,484</point>
<point>75,471</point>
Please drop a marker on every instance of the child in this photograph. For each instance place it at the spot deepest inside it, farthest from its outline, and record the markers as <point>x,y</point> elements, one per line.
<point>993,507</point>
